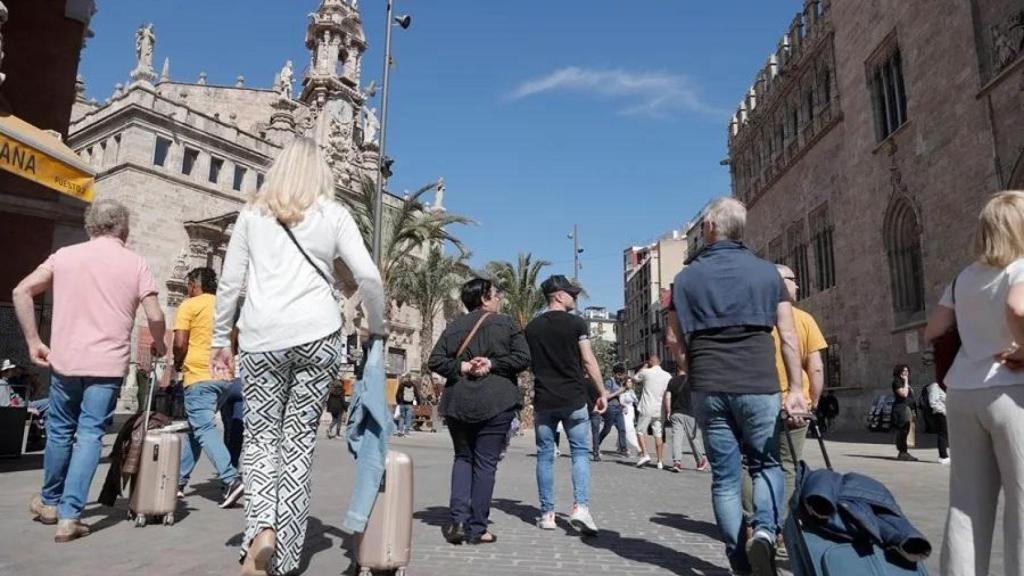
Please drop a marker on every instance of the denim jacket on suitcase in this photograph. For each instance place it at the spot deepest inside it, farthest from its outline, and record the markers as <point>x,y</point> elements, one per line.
<point>369,427</point>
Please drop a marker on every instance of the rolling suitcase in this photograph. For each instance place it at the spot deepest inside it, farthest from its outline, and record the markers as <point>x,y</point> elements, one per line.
<point>155,485</point>
<point>813,552</point>
<point>386,544</point>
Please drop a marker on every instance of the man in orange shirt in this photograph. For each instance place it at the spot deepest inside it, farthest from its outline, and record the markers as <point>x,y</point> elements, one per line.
<point>811,343</point>
<point>193,333</point>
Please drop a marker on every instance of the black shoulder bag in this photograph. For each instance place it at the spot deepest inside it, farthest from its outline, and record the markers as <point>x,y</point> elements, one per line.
<point>320,272</point>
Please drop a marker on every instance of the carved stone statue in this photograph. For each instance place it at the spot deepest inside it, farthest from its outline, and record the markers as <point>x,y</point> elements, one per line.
<point>370,125</point>
<point>145,39</point>
<point>1003,50</point>
<point>284,80</point>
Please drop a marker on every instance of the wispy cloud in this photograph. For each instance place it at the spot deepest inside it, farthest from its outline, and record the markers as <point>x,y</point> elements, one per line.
<point>654,94</point>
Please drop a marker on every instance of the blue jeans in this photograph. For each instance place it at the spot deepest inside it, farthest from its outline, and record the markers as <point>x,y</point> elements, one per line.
<point>202,400</point>
<point>738,425</point>
<point>75,423</point>
<point>576,422</point>
<point>478,447</point>
<point>232,415</point>
<point>405,416</point>
<point>614,417</point>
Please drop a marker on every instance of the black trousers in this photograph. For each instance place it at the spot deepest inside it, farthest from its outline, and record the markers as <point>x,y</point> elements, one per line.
<point>942,429</point>
<point>902,433</point>
<point>477,446</point>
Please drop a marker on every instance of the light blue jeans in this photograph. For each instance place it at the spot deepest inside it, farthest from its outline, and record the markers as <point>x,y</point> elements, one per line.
<point>75,423</point>
<point>737,426</point>
<point>405,418</point>
<point>576,422</point>
<point>202,400</point>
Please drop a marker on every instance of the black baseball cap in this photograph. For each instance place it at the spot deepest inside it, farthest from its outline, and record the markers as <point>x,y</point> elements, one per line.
<point>559,283</point>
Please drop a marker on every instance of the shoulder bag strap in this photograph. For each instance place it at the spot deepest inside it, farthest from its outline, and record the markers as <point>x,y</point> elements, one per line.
<point>320,272</point>
<point>469,337</point>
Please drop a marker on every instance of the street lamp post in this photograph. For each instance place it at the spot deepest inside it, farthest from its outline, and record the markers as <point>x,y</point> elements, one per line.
<point>378,214</point>
<point>576,251</point>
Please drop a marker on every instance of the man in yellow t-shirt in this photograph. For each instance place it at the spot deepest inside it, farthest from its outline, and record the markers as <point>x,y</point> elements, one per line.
<point>193,333</point>
<point>811,343</point>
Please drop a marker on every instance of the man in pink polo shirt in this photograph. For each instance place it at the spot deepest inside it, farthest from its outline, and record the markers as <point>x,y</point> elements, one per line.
<point>97,288</point>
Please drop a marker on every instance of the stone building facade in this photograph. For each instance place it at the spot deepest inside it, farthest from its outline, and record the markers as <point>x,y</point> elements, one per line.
<point>648,271</point>
<point>864,150</point>
<point>186,156</point>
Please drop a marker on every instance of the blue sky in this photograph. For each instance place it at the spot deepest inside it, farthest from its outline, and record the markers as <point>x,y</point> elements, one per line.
<point>610,114</point>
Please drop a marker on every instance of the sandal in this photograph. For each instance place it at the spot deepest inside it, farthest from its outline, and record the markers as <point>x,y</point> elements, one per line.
<point>485,538</point>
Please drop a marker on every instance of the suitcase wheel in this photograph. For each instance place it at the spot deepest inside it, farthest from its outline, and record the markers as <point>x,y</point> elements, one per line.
<point>400,572</point>
<point>169,519</point>
<point>365,572</point>
<point>140,520</point>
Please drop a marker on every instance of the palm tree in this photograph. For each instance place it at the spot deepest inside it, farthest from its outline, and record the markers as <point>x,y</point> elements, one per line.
<point>518,284</point>
<point>407,228</point>
<point>431,286</point>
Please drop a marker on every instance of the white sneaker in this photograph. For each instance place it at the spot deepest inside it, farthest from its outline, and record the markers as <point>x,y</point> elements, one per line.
<point>547,521</point>
<point>643,461</point>
<point>660,465</point>
<point>582,521</point>
<point>944,461</point>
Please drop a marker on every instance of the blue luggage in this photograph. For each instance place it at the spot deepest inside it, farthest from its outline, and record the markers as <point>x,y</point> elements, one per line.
<point>814,552</point>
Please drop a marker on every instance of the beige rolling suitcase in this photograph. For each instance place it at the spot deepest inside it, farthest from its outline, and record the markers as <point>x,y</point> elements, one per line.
<point>155,485</point>
<point>386,544</point>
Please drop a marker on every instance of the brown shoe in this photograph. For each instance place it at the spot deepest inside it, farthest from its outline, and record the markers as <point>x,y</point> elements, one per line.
<point>42,512</point>
<point>261,550</point>
<point>70,529</point>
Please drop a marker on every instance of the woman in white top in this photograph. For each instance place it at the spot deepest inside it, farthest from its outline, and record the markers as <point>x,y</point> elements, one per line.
<point>985,386</point>
<point>283,249</point>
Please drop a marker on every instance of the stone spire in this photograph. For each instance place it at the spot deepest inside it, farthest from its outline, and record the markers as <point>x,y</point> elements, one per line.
<point>336,43</point>
<point>80,88</point>
<point>165,73</point>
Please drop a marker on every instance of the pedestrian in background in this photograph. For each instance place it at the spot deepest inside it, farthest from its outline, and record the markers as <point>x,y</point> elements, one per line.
<point>481,354</point>
<point>335,407</point>
<point>613,416</point>
<point>97,288</point>
<point>902,411</point>
<point>283,248</point>
<point>193,331</point>
<point>679,406</point>
<point>564,366</point>
<point>653,381</point>
<point>727,301</point>
<point>937,400</point>
<point>985,304</point>
<point>406,398</point>
<point>629,400</point>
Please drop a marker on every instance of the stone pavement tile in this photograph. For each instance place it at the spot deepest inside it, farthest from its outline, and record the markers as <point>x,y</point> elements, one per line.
<point>652,522</point>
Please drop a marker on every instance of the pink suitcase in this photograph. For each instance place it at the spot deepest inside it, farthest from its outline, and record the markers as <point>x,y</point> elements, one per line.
<point>155,486</point>
<point>386,544</point>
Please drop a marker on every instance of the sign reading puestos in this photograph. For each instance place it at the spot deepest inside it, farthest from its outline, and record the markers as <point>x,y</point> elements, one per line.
<point>37,156</point>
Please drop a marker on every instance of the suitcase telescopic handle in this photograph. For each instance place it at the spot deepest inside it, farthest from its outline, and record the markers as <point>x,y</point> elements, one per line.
<point>154,382</point>
<point>812,424</point>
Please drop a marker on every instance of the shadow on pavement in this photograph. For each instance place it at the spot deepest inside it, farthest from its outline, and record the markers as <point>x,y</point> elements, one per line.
<point>433,516</point>
<point>25,462</point>
<point>647,552</point>
<point>211,490</point>
<point>528,513</point>
<point>686,524</point>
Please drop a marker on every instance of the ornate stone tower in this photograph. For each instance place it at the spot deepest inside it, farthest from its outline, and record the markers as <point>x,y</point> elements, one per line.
<point>331,86</point>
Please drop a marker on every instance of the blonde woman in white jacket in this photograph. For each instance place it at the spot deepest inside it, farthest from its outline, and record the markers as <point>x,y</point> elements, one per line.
<point>283,248</point>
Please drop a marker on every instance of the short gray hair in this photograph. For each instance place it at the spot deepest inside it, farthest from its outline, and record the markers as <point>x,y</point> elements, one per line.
<point>107,218</point>
<point>729,216</point>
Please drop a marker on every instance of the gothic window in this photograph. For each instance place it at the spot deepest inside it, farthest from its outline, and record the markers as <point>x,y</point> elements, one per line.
<point>163,146</point>
<point>833,369</point>
<point>826,86</point>
<point>902,234</point>
<point>809,98</point>
<point>188,161</point>
<point>775,254</point>
<point>797,257</point>
<point>238,179</point>
<point>821,240</point>
<point>888,94</point>
<point>216,164</point>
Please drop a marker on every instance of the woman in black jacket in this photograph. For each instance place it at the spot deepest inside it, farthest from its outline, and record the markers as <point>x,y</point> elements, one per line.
<point>902,410</point>
<point>480,355</point>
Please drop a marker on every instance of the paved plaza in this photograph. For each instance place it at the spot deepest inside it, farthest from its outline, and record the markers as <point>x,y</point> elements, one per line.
<point>651,522</point>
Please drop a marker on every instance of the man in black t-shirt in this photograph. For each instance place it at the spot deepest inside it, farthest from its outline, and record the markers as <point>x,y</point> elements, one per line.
<point>684,426</point>
<point>562,363</point>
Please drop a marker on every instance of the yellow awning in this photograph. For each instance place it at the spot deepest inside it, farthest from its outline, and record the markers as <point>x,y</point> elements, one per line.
<point>42,158</point>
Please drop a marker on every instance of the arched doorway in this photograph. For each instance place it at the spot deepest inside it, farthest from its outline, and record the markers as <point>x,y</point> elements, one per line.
<point>902,233</point>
